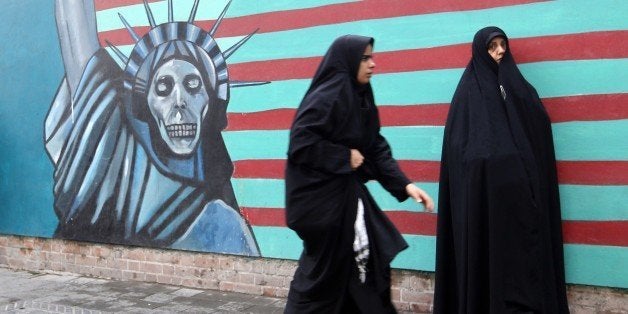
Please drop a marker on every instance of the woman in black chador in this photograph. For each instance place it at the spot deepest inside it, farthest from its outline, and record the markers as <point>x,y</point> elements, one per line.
<point>499,245</point>
<point>335,147</point>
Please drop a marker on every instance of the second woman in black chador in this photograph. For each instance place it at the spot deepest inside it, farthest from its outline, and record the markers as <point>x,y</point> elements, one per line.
<point>499,243</point>
<point>335,147</point>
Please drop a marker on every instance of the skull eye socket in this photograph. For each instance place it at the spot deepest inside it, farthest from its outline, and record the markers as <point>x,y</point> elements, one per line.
<point>192,83</point>
<point>164,85</point>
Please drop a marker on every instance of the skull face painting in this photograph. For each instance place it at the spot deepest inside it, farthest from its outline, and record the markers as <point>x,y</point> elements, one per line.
<point>178,101</point>
<point>177,104</point>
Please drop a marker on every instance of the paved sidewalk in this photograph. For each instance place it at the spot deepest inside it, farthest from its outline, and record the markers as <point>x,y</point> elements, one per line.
<point>29,292</point>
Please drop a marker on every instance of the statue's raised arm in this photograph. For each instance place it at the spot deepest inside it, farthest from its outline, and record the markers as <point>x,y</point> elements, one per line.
<point>78,37</point>
<point>78,40</point>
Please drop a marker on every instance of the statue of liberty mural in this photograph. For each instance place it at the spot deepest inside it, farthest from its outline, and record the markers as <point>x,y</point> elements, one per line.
<point>138,152</point>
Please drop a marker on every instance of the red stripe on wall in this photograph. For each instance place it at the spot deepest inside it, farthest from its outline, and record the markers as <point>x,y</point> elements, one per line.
<point>593,172</point>
<point>421,223</point>
<point>569,172</point>
<point>421,170</point>
<point>413,222</point>
<point>273,217</point>
<point>262,168</point>
<point>110,4</point>
<point>276,119</point>
<point>416,170</point>
<point>406,222</point>
<point>434,114</point>
<point>323,15</point>
<point>584,46</point>
<point>281,119</point>
<point>587,107</point>
<point>596,232</point>
<point>560,109</point>
<point>353,11</point>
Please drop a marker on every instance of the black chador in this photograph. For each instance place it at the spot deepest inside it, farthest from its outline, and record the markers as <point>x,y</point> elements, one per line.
<point>499,242</point>
<point>323,193</point>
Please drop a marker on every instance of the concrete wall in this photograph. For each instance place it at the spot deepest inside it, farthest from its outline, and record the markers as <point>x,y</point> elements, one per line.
<point>574,52</point>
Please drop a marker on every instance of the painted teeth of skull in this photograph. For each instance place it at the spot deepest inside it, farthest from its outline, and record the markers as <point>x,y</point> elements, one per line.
<point>183,126</point>
<point>181,130</point>
<point>182,133</point>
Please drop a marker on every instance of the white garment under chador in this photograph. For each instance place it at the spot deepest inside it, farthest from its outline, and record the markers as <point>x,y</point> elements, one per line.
<point>361,242</point>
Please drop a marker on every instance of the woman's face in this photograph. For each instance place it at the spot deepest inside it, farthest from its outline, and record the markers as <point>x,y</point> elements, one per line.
<point>366,66</point>
<point>497,47</point>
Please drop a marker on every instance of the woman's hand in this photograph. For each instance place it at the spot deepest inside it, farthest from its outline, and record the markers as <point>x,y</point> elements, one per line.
<point>420,196</point>
<point>356,159</point>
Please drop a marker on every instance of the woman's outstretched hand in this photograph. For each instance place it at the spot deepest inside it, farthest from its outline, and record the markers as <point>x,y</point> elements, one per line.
<point>420,196</point>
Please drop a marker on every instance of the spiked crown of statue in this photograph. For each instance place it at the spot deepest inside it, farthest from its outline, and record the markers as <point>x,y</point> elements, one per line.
<point>183,31</point>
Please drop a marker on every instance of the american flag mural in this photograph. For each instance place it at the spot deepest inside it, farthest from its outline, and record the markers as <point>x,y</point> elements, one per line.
<point>574,52</point>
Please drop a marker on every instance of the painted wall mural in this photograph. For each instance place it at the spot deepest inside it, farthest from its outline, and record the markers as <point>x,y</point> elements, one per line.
<point>138,152</point>
<point>147,140</point>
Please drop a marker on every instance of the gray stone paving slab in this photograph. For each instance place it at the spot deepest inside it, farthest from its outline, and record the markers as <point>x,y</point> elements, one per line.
<point>57,278</point>
<point>5,300</point>
<point>86,280</point>
<point>223,296</point>
<point>29,292</point>
<point>160,298</point>
<point>110,294</point>
<point>47,299</point>
<point>185,292</point>
<point>239,307</point>
<point>25,285</point>
<point>122,306</point>
<point>38,307</point>
<point>90,288</point>
<point>104,305</point>
<point>193,302</point>
<point>195,309</point>
<point>174,308</point>
<point>266,309</point>
<point>134,295</point>
<point>263,301</point>
<point>122,286</point>
<point>75,299</point>
<point>138,310</point>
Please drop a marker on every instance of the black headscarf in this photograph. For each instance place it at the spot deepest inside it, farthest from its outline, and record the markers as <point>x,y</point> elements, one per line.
<point>499,239</point>
<point>334,81</point>
<point>338,114</point>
